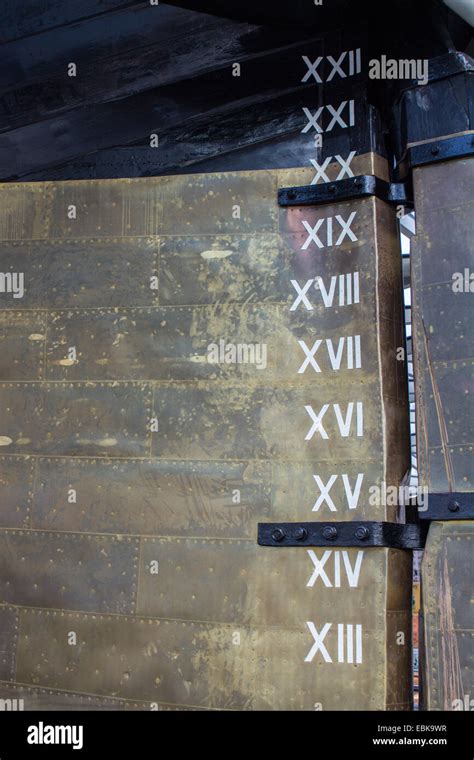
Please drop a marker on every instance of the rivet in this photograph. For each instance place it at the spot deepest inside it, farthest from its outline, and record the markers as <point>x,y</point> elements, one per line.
<point>330,533</point>
<point>362,533</point>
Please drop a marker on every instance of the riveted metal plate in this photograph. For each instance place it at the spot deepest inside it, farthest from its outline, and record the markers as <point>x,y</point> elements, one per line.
<point>154,497</point>
<point>223,268</point>
<point>15,697</point>
<point>255,588</point>
<point>184,663</point>
<point>238,421</point>
<point>206,204</point>
<point>89,419</point>
<point>8,641</point>
<point>24,211</point>
<point>83,273</point>
<point>448,611</point>
<point>442,336</point>
<point>185,343</point>
<point>22,341</point>
<point>122,208</point>
<point>135,437</point>
<point>71,571</point>
<point>16,491</point>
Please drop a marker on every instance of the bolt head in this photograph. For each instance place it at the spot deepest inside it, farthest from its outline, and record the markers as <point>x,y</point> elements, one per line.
<point>362,533</point>
<point>278,534</point>
<point>300,534</point>
<point>454,506</point>
<point>330,533</point>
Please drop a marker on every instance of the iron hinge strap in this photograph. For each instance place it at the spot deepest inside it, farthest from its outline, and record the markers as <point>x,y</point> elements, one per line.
<point>454,505</point>
<point>352,534</point>
<point>347,189</point>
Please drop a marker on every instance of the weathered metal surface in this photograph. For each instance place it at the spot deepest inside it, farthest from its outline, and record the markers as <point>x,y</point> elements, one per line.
<point>22,335</point>
<point>82,273</point>
<point>448,610</point>
<point>8,641</point>
<point>133,437</point>
<point>443,250</point>
<point>172,344</point>
<point>152,497</point>
<point>90,419</point>
<point>16,697</point>
<point>443,349</point>
<point>16,490</point>
<point>69,570</point>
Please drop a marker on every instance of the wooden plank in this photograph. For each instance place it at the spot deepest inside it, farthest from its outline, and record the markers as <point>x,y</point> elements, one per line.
<point>137,50</point>
<point>69,570</point>
<point>101,38</point>
<point>237,139</point>
<point>132,120</point>
<point>18,21</point>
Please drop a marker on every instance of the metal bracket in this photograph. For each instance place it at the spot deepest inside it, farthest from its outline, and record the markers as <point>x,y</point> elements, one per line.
<point>448,149</point>
<point>356,534</point>
<point>457,505</point>
<point>351,188</point>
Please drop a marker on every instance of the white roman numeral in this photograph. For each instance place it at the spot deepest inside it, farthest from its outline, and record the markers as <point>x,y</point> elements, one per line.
<point>346,639</point>
<point>336,114</point>
<point>318,642</point>
<point>345,170</point>
<point>352,573</point>
<point>352,496</point>
<point>350,343</point>
<point>313,237</point>
<point>346,286</point>
<point>354,61</point>
<point>344,423</point>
